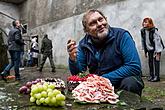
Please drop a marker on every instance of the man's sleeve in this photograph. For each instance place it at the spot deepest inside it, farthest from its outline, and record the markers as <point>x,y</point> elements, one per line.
<point>51,45</point>
<point>80,64</point>
<point>18,38</point>
<point>42,46</point>
<point>131,66</point>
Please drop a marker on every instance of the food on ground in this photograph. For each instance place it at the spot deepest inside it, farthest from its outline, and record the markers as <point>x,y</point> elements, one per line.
<point>46,94</point>
<point>54,83</point>
<point>59,83</point>
<point>75,80</point>
<point>95,89</point>
<point>25,89</point>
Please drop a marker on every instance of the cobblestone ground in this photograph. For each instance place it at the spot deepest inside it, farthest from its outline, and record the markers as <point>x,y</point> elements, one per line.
<point>153,96</point>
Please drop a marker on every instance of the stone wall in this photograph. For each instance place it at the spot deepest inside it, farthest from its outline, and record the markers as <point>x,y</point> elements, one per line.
<point>3,53</point>
<point>39,12</point>
<point>7,13</point>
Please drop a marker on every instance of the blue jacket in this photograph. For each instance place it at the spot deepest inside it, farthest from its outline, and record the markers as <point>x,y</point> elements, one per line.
<point>117,59</point>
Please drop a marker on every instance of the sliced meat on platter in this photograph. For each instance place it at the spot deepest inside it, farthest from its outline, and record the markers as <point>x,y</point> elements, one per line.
<point>95,90</point>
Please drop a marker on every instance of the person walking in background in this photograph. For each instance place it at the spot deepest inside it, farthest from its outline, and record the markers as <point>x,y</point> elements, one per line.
<point>15,47</point>
<point>46,50</point>
<point>29,58</point>
<point>35,51</point>
<point>108,52</point>
<point>153,46</point>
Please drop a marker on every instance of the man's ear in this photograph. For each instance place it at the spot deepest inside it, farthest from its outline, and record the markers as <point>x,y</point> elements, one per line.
<point>85,30</point>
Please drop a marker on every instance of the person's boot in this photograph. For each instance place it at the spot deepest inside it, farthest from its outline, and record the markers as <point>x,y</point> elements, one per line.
<point>17,78</point>
<point>3,75</point>
<point>156,79</point>
<point>151,77</point>
<point>40,69</point>
<point>53,70</point>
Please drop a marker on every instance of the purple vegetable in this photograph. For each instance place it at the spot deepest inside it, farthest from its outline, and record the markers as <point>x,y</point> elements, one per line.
<point>29,84</point>
<point>28,91</point>
<point>38,80</point>
<point>23,89</point>
<point>34,82</point>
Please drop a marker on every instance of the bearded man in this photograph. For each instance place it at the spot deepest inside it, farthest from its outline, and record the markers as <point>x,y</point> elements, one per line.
<point>108,52</point>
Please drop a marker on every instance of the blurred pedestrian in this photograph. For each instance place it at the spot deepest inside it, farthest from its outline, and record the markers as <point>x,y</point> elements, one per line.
<point>46,50</point>
<point>15,47</point>
<point>34,51</point>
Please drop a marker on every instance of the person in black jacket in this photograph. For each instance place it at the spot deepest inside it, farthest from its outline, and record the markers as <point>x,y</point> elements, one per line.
<point>46,50</point>
<point>152,45</point>
<point>15,47</point>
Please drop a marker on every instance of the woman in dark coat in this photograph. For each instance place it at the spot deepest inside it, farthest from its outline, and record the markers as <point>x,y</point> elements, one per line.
<point>152,45</point>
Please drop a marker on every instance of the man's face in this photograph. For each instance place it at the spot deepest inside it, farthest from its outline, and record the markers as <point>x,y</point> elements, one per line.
<point>97,26</point>
<point>17,23</point>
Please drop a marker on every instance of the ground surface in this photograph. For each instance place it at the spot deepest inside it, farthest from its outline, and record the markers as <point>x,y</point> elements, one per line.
<point>153,94</point>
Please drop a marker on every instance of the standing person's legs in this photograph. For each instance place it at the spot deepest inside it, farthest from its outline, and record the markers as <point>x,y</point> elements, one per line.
<point>35,58</point>
<point>157,68</point>
<point>44,57</point>
<point>17,64</point>
<point>31,61</point>
<point>35,61</point>
<point>151,65</point>
<point>52,62</point>
<point>9,66</point>
<point>21,59</point>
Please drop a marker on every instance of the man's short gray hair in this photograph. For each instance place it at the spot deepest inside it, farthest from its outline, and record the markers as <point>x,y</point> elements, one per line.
<point>84,20</point>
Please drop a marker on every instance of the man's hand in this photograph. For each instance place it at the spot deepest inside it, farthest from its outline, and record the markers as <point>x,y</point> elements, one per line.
<point>157,56</point>
<point>72,49</point>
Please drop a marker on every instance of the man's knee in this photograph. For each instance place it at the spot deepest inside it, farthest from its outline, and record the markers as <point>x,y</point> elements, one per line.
<point>132,84</point>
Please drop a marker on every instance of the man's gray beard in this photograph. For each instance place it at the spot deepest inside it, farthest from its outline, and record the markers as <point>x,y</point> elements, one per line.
<point>100,37</point>
<point>103,35</point>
